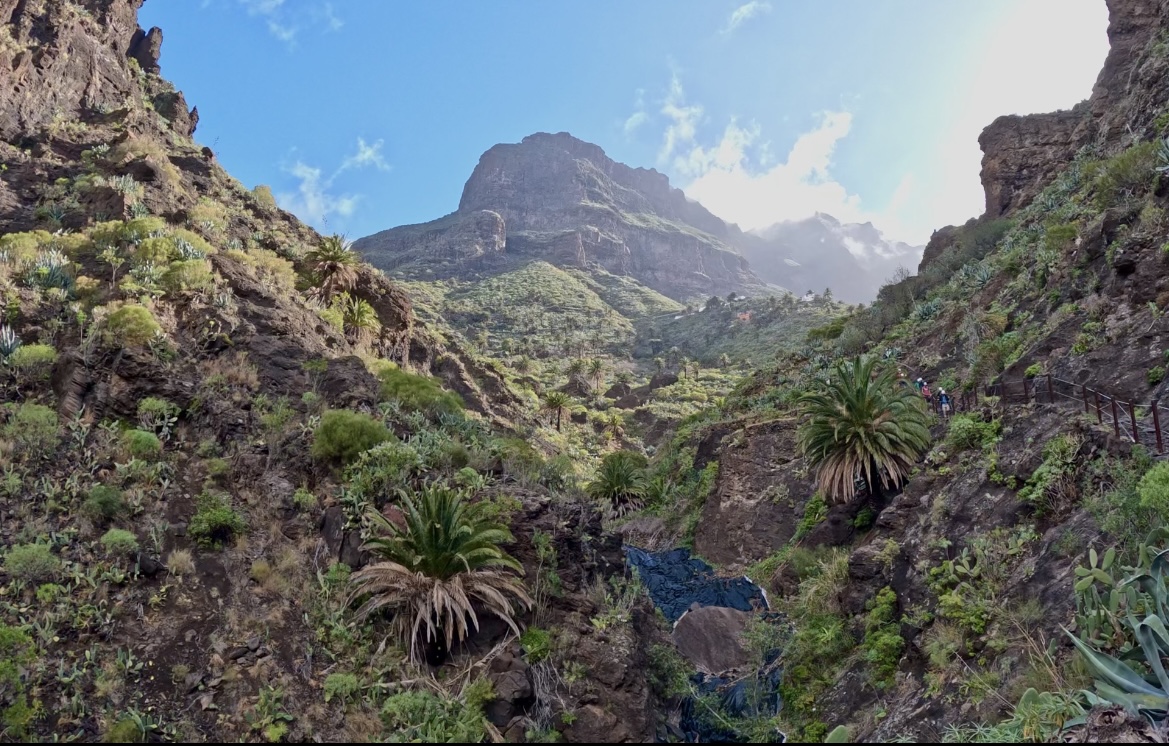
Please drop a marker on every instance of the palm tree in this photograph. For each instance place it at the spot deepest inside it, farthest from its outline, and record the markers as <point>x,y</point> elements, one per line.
<point>659,364</point>
<point>575,369</point>
<point>596,371</point>
<point>695,366</point>
<point>334,263</point>
<point>522,364</point>
<point>432,571</point>
<point>620,482</point>
<point>624,377</point>
<point>724,361</point>
<point>556,402</point>
<point>859,423</point>
<point>358,318</point>
<point>614,425</point>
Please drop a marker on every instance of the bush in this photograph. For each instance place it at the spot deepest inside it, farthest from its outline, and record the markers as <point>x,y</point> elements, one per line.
<point>191,274</point>
<point>1129,173</point>
<point>417,393</point>
<point>537,644</point>
<point>968,431</point>
<point>263,196</point>
<point>33,428</point>
<point>131,326</point>
<point>1156,375</point>
<point>32,563</point>
<point>1154,489</point>
<point>119,542</point>
<point>883,642</point>
<point>342,686</point>
<point>33,362</point>
<point>344,435</point>
<point>303,500</point>
<point>383,469</point>
<point>142,445</point>
<point>422,716</point>
<point>1033,370</point>
<point>215,522</point>
<point>104,503</point>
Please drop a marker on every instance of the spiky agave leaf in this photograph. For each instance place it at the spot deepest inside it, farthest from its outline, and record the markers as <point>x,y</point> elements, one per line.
<point>859,423</point>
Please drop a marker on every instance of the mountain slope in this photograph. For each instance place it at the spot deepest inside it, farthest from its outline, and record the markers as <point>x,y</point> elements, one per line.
<point>558,199</point>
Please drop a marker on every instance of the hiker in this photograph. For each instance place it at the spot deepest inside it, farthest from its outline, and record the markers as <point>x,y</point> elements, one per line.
<point>901,382</point>
<point>918,384</point>
<point>925,391</point>
<point>944,401</point>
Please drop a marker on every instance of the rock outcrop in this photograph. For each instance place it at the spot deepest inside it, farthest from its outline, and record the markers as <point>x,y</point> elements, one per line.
<point>556,198</point>
<point>1021,154</point>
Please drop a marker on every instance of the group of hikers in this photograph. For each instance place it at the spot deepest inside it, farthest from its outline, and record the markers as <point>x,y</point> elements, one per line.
<point>944,404</point>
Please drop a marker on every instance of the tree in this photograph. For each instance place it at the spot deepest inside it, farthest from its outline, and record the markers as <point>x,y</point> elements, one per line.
<point>858,423</point>
<point>713,303</point>
<point>522,364</point>
<point>620,482</point>
<point>724,361</point>
<point>555,403</point>
<point>695,366</point>
<point>683,366</point>
<point>624,377</point>
<point>575,369</point>
<point>358,318</point>
<point>334,263</point>
<point>596,371</point>
<point>659,364</point>
<point>827,295</point>
<point>614,425</point>
<point>433,571</point>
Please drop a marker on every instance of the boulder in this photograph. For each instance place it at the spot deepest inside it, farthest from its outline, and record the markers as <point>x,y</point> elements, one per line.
<point>708,637</point>
<point>146,48</point>
<point>595,725</point>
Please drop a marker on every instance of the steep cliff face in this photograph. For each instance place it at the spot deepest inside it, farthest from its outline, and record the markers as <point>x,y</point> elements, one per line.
<point>556,198</point>
<point>1022,154</point>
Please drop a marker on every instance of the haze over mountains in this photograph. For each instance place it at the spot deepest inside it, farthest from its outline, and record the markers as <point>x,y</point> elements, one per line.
<point>555,198</point>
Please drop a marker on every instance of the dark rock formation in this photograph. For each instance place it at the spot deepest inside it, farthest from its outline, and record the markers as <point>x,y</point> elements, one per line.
<point>556,198</point>
<point>1022,154</point>
<point>146,48</point>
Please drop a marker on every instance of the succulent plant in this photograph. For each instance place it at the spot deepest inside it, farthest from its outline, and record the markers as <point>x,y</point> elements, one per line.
<point>9,342</point>
<point>1128,618</point>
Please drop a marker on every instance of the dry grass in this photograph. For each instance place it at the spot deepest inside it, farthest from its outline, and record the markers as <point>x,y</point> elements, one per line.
<point>180,562</point>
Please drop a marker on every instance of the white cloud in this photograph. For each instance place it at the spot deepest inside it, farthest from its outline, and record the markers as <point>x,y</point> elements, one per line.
<point>683,120</point>
<point>800,185</point>
<point>283,33</point>
<point>635,120</point>
<point>744,13</point>
<point>284,21</point>
<point>314,200</point>
<point>366,155</point>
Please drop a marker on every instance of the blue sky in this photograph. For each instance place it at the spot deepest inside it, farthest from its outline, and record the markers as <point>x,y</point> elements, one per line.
<point>366,114</point>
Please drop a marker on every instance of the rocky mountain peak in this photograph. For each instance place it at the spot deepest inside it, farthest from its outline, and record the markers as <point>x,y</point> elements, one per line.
<point>557,198</point>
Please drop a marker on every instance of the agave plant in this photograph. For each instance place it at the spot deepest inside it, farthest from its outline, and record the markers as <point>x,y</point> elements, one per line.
<point>188,250</point>
<point>1163,156</point>
<point>926,311</point>
<point>9,342</point>
<point>858,423</point>
<point>1130,620</point>
<point>620,482</point>
<point>433,571</point>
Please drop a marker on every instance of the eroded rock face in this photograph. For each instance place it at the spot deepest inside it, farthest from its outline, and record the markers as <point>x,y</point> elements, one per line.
<point>560,199</point>
<point>1022,154</point>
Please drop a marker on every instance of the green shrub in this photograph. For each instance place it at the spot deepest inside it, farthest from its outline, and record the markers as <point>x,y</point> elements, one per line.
<point>667,671</point>
<point>17,653</point>
<point>263,196</point>
<point>32,563</point>
<point>1129,173</point>
<point>131,326</point>
<point>215,522</point>
<point>417,393</point>
<point>157,415</point>
<point>883,642</point>
<point>814,512</point>
<point>143,445</point>
<point>119,542</point>
<point>968,431</point>
<point>420,716</point>
<point>1154,489</point>
<point>537,644</point>
<point>343,435</point>
<point>1156,375</point>
<point>125,730</point>
<point>33,362</point>
<point>188,275</point>
<point>104,503</point>
<point>303,500</point>
<point>33,429</point>
<point>342,686</point>
<point>1035,369</point>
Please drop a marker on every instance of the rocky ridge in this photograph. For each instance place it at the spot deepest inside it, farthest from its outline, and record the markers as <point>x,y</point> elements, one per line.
<point>556,198</point>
